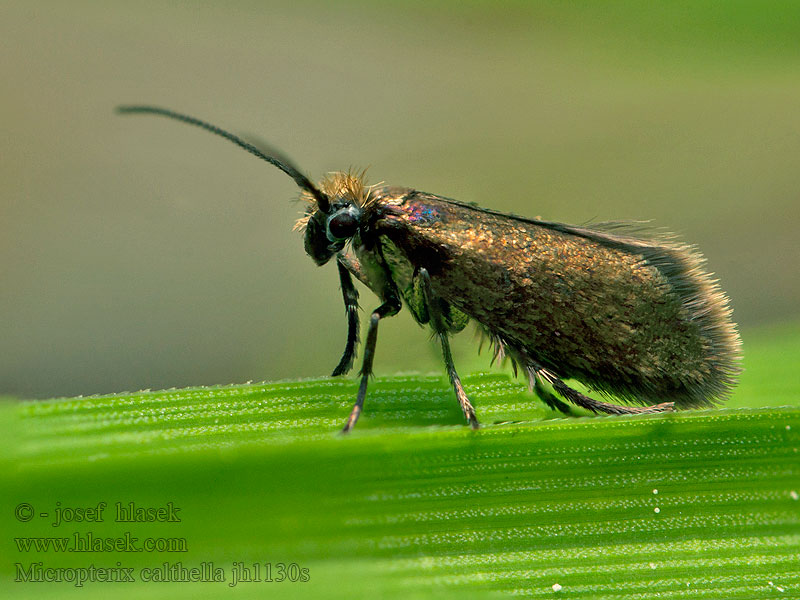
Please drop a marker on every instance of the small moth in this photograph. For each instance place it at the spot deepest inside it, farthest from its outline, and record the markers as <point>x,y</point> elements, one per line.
<point>627,312</point>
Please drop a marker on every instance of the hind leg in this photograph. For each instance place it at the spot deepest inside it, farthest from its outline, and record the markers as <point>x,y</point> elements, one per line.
<point>548,397</point>
<point>598,406</point>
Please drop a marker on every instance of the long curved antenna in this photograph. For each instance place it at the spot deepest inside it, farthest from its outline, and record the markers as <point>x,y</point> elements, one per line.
<point>301,180</point>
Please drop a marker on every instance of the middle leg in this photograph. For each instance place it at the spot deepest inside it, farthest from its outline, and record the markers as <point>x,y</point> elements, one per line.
<point>433,304</point>
<point>389,308</point>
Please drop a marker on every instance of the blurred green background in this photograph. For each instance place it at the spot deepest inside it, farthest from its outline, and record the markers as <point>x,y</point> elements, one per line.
<point>140,253</point>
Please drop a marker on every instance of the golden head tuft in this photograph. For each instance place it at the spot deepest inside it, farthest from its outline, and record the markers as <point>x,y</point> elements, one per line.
<point>337,185</point>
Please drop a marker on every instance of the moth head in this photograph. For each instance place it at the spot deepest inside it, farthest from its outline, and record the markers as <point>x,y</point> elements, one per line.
<point>327,232</point>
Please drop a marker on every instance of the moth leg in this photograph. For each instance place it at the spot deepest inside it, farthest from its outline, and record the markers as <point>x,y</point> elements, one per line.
<point>439,326</point>
<point>548,397</point>
<point>596,406</point>
<point>390,307</point>
<point>354,266</point>
<point>535,373</point>
<point>350,295</point>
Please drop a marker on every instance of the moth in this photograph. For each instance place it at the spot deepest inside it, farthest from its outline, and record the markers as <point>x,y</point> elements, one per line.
<point>629,313</point>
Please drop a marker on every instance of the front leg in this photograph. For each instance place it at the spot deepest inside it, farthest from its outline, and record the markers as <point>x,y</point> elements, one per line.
<point>433,304</point>
<point>350,295</point>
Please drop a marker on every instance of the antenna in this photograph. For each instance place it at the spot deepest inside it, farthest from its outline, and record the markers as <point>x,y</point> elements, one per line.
<point>301,180</point>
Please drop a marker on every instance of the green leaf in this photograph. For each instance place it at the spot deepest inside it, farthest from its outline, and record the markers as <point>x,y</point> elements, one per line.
<point>413,504</point>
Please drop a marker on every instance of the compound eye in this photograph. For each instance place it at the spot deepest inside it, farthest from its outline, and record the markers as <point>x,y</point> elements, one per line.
<point>342,225</point>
